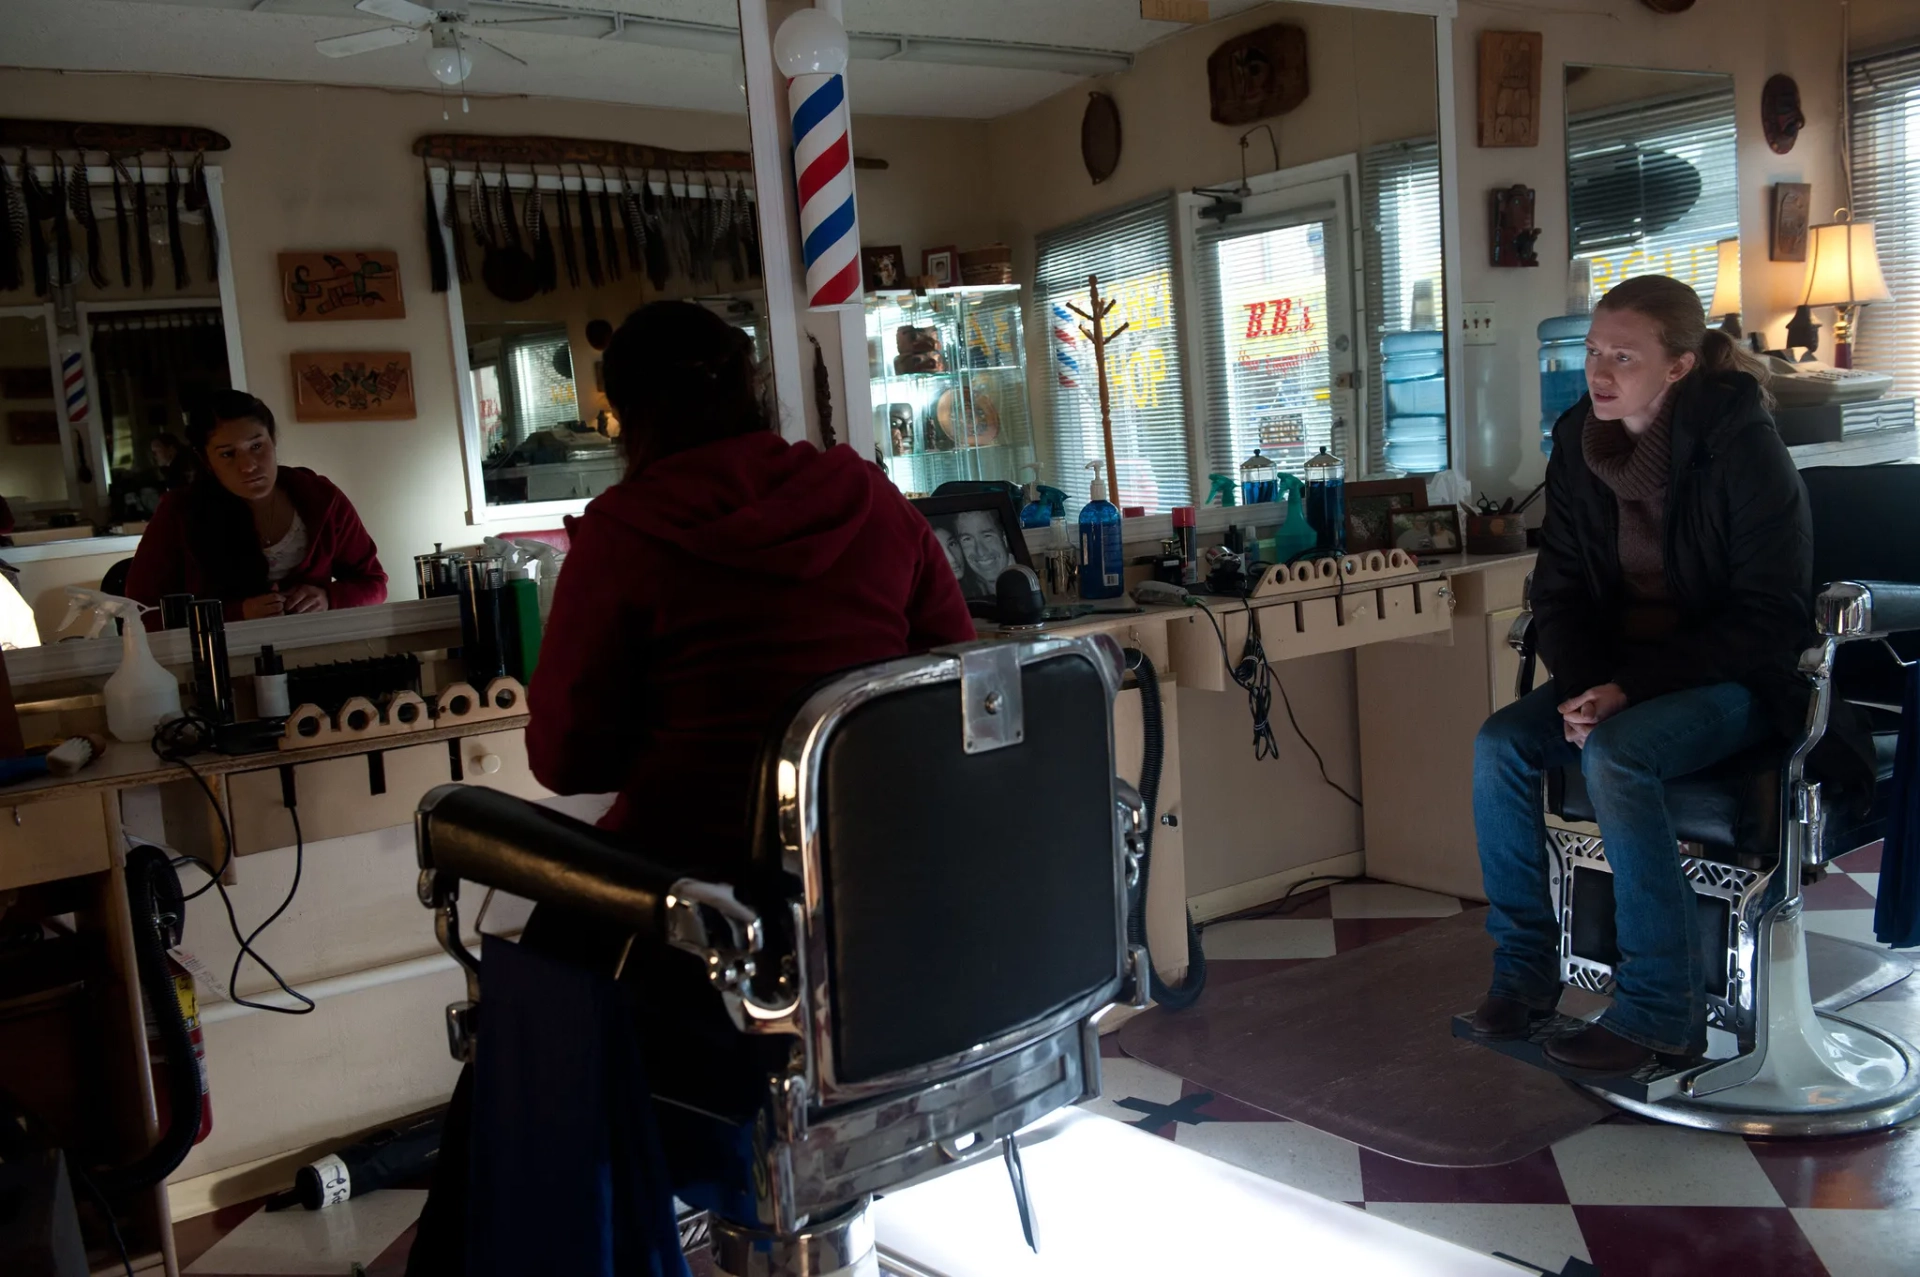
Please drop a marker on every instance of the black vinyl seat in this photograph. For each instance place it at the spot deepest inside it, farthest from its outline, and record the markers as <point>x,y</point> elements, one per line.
<point>1731,810</point>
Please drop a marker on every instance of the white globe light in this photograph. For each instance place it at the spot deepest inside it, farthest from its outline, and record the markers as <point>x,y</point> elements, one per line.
<point>450,66</point>
<point>810,43</point>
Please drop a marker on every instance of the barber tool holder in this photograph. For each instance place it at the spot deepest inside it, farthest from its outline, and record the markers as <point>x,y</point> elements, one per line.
<point>1303,576</point>
<point>402,713</point>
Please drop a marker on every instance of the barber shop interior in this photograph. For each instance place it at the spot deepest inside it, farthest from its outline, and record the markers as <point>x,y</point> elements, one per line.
<point>1020,638</point>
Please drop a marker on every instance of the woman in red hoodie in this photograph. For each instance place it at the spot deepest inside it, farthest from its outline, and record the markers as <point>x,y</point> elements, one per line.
<point>725,573</point>
<point>264,538</point>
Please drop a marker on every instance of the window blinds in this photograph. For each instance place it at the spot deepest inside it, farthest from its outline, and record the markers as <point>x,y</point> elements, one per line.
<point>1653,190</point>
<point>1400,199</point>
<point>1131,251</point>
<point>1885,96</point>
<point>1263,291</point>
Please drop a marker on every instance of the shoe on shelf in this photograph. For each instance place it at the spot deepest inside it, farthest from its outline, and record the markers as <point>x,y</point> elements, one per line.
<point>1502,1018</point>
<point>1598,1052</point>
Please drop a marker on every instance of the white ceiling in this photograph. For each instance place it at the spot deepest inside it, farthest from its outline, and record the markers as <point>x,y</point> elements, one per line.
<point>273,40</point>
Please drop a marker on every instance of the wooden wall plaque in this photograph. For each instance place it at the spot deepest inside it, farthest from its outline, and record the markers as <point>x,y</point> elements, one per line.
<point>352,385</point>
<point>342,284</point>
<point>1258,75</point>
<point>1510,88</point>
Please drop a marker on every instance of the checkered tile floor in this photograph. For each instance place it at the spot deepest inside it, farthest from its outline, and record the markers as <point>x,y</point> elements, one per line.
<point>1631,1198</point>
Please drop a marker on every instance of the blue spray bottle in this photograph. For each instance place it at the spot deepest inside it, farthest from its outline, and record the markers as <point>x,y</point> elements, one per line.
<point>1102,566</point>
<point>1034,512</point>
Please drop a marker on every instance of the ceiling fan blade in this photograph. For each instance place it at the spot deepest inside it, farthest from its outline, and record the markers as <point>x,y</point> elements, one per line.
<point>480,39</point>
<point>516,22</point>
<point>404,11</point>
<point>345,46</point>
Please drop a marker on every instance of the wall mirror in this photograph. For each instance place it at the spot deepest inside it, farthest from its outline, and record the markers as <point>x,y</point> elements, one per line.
<point>1651,174</point>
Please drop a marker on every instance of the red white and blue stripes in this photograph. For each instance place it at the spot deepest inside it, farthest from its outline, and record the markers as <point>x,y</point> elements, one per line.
<point>823,176</point>
<point>73,382</point>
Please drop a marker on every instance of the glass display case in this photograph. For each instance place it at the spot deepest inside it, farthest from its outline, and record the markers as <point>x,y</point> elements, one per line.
<point>949,385</point>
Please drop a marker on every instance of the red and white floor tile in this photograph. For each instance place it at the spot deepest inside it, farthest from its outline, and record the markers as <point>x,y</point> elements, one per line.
<point>1629,1198</point>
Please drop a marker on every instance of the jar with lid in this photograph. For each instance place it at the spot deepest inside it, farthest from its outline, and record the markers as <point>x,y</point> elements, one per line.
<point>1258,477</point>
<point>1326,477</point>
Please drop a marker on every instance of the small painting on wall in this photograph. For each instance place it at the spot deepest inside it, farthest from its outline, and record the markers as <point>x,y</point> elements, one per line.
<point>30,382</point>
<point>331,385</point>
<point>1510,88</point>
<point>32,425</point>
<point>343,284</point>
<point>1792,208</point>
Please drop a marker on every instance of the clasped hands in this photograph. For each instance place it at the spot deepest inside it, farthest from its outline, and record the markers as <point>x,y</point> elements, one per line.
<point>1588,710</point>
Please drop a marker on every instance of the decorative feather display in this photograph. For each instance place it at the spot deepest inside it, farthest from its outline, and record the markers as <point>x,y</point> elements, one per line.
<point>80,199</point>
<point>566,235</point>
<point>200,202</point>
<point>589,241</point>
<point>120,233</point>
<point>33,199</point>
<point>62,232</point>
<point>632,223</point>
<point>546,273</point>
<point>822,394</point>
<point>175,249</point>
<point>462,269</point>
<point>480,210</point>
<point>508,223</point>
<point>655,243</point>
<point>436,245</point>
<point>753,233</point>
<point>143,231</point>
<point>13,226</point>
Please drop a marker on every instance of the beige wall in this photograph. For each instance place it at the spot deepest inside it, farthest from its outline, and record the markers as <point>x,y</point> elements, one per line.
<point>317,167</point>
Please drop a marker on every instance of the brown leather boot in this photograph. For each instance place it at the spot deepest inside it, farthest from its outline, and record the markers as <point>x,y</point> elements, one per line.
<point>1598,1052</point>
<point>1502,1018</point>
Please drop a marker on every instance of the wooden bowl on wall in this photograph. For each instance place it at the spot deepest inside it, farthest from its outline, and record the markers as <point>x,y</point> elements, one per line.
<point>1668,6</point>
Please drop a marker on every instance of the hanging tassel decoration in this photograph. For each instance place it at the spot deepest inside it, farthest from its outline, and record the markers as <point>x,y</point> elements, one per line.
<point>545,272</point>
<point>508,224</point>
<point>62,231</point>
<point>33,200</point>
<point>176,250</point>
<point>822,394</point>
<point>589,241</point>
<point>120,181</point>
<point>632,224</point>
<point>566,234</point>
<point>462,269</point>
<point>199,201</point>
<point>610,234</point>
<point>436,243</point>
<point>143,231</point>
<point>754,266</point>
<point>80,199</point>
<point>480,212</point>
<point>655,242</point>
<point>13,225</point>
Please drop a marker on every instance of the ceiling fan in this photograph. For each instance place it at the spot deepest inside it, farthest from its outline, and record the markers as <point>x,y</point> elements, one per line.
<point>448,27</point>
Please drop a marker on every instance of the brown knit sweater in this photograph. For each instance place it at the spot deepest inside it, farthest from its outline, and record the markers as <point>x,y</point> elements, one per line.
<point>1636,470</point>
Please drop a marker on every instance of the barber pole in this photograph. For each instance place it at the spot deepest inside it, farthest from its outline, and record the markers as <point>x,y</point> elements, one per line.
<point>823,176</point>
<point>73,382</point>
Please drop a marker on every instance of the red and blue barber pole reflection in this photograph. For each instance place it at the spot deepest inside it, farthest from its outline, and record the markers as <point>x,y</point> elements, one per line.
<point>823,176</point>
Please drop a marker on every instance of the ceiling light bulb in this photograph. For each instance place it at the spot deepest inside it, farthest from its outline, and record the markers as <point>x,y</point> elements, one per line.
<point>810,42</point>
<point>450,65</point>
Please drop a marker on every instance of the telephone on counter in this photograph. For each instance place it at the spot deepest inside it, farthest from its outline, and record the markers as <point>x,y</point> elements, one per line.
<point>1798,385</point>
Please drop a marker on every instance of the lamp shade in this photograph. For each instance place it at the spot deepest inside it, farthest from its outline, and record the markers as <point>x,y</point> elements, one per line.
<point>1843,266</point>
<point>1726,282</point>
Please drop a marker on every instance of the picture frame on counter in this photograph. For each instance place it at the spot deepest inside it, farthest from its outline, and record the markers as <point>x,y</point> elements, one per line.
<point>941,265</point>
<point>1432,530</point>
<point>883,269</point>
<point>980,531</point>
<point>1370,509</point>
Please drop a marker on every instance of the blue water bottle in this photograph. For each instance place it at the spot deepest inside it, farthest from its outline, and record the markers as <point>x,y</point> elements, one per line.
<point>1102,568</point>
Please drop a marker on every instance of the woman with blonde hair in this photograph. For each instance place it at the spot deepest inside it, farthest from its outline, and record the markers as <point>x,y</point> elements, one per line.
<point>1672,596</point>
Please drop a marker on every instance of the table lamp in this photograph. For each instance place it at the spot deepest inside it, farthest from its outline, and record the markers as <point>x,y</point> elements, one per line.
<point>1726,288</point>
<point>1843,271</point>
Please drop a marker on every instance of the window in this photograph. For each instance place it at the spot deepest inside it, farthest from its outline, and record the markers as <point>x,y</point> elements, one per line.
<point>1651,187</point>
<point>1130,250</point>
<point>1400,198</point>
<point>1885,96</point>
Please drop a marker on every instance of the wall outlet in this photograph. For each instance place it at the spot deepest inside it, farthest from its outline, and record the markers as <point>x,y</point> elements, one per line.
<point>1476,319</point>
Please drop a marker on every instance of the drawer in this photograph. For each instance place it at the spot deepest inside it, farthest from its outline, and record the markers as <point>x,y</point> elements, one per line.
<point>498,760</point>
<point>56,838</point>
<point>336,796</point>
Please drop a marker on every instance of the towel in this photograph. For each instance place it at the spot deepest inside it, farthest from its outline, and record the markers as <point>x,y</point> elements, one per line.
<point>1896,915</point>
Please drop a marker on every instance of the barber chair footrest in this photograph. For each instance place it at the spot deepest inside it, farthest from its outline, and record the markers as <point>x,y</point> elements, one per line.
<point>1654,1082</point>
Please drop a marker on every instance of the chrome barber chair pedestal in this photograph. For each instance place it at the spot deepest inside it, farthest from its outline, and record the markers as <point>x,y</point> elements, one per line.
<point>912,965</point>
<point>1750,828</point>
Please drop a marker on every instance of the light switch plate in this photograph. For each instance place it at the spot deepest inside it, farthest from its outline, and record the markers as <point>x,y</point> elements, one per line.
<point>1477,320</point>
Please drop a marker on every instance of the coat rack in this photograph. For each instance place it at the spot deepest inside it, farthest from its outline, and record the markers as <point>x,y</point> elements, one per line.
<point>1099,336</point>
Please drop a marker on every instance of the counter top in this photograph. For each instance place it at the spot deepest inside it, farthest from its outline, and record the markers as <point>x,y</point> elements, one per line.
<point>125,766</point>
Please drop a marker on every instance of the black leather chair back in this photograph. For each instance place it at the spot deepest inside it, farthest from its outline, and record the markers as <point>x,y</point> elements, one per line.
<point>1862,522</point>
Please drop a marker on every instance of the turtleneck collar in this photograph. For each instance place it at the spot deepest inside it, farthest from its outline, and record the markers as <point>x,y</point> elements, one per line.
<point>1635,468</point>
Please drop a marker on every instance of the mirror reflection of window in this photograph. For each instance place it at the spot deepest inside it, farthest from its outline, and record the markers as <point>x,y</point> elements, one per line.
<point>154,369</point>
<point>1406,338</point>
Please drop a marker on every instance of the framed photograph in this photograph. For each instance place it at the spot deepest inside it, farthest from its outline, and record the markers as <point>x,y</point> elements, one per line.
<point>883,268</point>
<point>32,381</point>
<point>1370,510</point>
<point>26,426</point>
<point>334,385</point>
<point>1435,530</point>
<point>341,284</point>
<point>942,265</point>
<point>1792,203</point>
<point>980,531</point>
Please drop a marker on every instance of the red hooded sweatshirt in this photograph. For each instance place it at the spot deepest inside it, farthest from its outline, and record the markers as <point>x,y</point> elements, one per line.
<point>698,598</point>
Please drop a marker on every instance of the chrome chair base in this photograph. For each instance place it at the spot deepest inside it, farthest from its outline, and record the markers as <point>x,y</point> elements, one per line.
<point>841,1245</point>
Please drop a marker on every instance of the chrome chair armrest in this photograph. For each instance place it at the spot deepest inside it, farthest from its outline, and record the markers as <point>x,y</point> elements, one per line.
<point>1850,610</point>
<point>1521,637</point>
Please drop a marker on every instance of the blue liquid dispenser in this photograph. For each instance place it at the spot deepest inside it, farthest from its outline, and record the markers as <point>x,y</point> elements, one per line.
<point>1102,565</point>
<point>1327,503</point>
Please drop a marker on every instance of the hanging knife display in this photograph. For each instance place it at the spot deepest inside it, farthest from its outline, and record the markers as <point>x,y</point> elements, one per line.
<point>120,181</point>
<point>589,241</point>
<point>631,222</point>
<point>610,237</point>
<point>656,233</point>
<point>62,232</point>
<point>200,202</point>
<point>13,226</point>
<point>143,231</point>
<point>175,249</point>
<point>545,271</point>
<point>567,253</point>
<point>80,199</point>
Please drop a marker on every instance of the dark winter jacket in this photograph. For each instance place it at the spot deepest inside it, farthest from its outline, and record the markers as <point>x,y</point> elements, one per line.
<point>1738,556</point>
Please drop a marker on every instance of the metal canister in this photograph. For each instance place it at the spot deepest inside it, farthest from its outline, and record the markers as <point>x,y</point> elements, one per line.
<point>212,679</point>
<point>438,574</point>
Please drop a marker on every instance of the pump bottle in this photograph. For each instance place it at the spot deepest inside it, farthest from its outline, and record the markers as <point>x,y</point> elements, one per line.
<point>1102,569</point>
<point>141,694</point>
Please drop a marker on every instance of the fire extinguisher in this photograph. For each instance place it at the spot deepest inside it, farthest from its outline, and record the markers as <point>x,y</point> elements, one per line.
<point>183,993</point>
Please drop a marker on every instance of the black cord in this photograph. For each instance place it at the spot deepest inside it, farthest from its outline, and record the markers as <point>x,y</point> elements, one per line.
<point>173,741</point>
<point>1280,908</point>
<point>106,1211</point>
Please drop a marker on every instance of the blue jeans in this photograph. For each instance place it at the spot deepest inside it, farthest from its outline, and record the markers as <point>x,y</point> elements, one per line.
<point>1658,1000</point>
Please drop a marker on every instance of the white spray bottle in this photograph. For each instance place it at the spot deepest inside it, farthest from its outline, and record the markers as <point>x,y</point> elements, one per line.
<point>141,694</point>
<point>550,560</point>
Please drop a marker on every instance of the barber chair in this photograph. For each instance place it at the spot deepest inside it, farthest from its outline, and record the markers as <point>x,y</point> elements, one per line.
<point>912,966</point>
<point>1752,829</point>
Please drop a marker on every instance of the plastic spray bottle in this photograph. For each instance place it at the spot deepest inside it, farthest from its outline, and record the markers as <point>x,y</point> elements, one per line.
<point>1033,509</point>
<point>520,605</point>
<point>1102,570</point>
<point>549,559</point>
<point>141,694</point>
